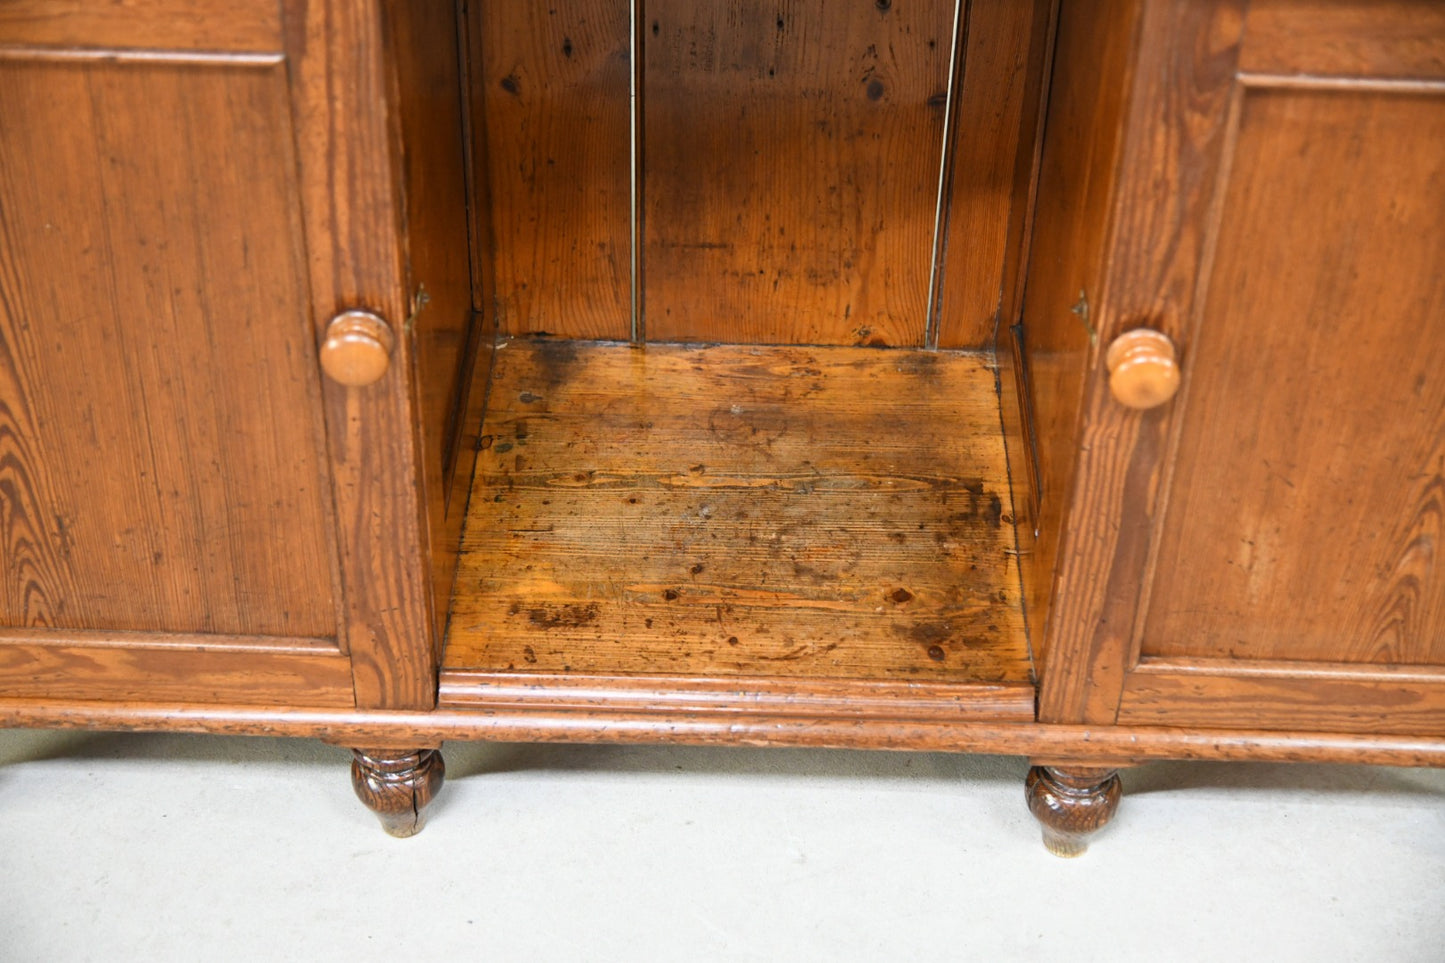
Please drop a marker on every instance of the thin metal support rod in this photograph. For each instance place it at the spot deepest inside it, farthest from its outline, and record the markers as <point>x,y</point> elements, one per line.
<point>634,106</point>
<point>945,157</point>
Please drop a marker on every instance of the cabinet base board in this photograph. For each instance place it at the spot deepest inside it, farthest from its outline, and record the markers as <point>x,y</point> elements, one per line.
<point>1044,743</point>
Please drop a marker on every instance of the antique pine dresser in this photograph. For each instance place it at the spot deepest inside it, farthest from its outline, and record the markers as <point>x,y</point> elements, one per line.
<point>1046,377</point>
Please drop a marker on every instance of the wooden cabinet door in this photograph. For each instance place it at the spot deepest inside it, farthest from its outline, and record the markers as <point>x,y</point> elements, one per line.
<point>188,510</point>
<point>1265,551</point>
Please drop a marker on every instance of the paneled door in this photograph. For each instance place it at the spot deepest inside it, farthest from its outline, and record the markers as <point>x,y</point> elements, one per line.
<point>189,510</point>
<point>1264,551</point>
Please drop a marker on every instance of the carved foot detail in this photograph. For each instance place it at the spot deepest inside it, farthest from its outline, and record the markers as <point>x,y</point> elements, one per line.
<point>1072,804</point>
<point>397,785</point>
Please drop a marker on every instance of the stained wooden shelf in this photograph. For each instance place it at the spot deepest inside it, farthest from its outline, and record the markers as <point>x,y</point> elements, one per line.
<point>735,526</point>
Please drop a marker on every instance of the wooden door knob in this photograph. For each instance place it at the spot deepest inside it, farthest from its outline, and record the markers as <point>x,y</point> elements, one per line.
<point>1143,371</point>
<point>357,349</point>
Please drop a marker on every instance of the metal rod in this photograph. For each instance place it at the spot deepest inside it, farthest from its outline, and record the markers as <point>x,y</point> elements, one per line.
<point>930,336</point>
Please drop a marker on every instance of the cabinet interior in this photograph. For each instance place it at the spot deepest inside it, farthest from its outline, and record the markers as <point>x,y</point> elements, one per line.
<point>742,271</point>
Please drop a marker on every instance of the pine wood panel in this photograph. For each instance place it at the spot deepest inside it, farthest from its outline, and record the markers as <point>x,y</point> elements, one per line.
<point>343,89</point>
<point>231,25</point>
<point>1309,492</point>
<point>1176,109</point>
<point>162,465</point>
<point>791,158</point>
<point>1284,695</point>
<point>424,48</point>
<point>1083,139</point>
<point>997,102</point>
<point>551,131</point>
<point>1352,38</point>
<point>740,511</point>
<point>146,667</point>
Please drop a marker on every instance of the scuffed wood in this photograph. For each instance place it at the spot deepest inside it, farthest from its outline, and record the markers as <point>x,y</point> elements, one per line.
<point>733,511</point>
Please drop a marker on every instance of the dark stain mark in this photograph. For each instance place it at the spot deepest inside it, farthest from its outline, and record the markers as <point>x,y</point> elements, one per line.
<point>647,623</point>
<point>670,595</point>
<point>632,501</point>
<point>994,513</point>
<point>875,89</point>
<point>514,608</point>
<point>780,23</point>
<point>929,633</point>
<point>510,85</point>
<point>555,362</point>
<point>698,469</point>
<point>519,431</point>
<point>901,595</point>
<point>696,569</point>
<point>564,616</point>
<point>528,398</point>
<point>504,447</point>
<point>529,655</point>
<point>883,5</point>
<point>656,28</point>
<point>567,46</point>
<point>938,100</point>
<point>732,640</point>
<point>935,652</point>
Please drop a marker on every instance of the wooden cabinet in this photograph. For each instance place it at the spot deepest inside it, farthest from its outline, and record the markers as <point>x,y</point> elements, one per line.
<point>189,192</point>
<point>1272,532</point>
<point>1055,379</point>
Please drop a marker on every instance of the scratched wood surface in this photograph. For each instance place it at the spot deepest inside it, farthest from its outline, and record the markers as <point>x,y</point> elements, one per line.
<point>1308,503</point>
<point>241,26</point>
<point>731,511</point>
<point>161,466</point>
<point>791,156</point>
<point>552,143</point>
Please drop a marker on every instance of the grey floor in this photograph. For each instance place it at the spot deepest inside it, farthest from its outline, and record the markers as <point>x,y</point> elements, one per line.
<point>167,847</point>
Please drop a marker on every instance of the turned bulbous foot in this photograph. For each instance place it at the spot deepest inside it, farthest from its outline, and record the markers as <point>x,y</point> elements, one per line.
<point>397,785</point>
<point>1072,804</point>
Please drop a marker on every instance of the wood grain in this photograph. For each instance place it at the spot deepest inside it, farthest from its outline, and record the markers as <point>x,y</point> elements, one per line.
<point>348,142</point>
<point>735,511</point>
<point>160,468</point>
<point>217,25</point>
<point>424,48</point>
<point>780,696</point>
<point>147,666</point>
<point>549,95</point>
<point>1047,744</point>
<point>1151,266</point>
<point>1308,505</point>
<point>1323,697</point>
<point>997,103</point>
<point>1084,132</point>
<point>791,159</point>
<point>1350,38</point>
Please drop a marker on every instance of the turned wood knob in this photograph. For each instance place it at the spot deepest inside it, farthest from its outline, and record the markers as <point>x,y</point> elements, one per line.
<point>1143,372</point>
<point>357,349</point>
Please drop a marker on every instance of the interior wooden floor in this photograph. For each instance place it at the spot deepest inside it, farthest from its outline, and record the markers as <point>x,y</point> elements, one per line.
<point>822,522</point>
